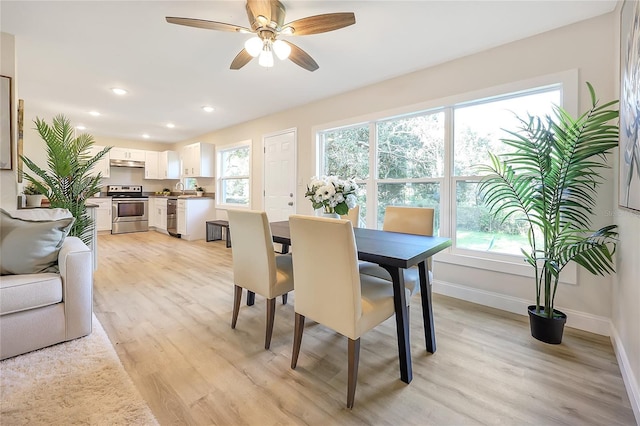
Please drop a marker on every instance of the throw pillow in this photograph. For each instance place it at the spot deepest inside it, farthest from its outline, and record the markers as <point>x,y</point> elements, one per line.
<point>31,240</point>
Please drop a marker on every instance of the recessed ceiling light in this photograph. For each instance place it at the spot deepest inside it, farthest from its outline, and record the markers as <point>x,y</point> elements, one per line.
<point>81,128</point>
<point>118,91</point>
<point>94,113</point>
<point>171,125</point>
<point>146,136</point>
<point>208,108</point>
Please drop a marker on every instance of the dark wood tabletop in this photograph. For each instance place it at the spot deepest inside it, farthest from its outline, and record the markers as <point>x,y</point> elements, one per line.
<point>393,251</point>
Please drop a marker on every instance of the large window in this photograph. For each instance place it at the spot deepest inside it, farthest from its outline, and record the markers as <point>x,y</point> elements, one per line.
<point>428,159</point>
<point>234,169</point>
<point>478,128</point>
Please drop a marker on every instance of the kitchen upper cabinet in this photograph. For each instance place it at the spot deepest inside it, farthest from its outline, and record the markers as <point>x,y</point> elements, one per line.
<point>198,160</point>
<point>168,165</point>
<point>151,169</point>
<point>127,154</point>
<point>101,166</point>
<point>193,213</point>
<point>162,165</point>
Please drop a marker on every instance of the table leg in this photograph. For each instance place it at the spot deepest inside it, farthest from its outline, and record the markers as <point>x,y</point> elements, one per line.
<point>251,298</point>
<point>427,307</point>
<point>402,323</point>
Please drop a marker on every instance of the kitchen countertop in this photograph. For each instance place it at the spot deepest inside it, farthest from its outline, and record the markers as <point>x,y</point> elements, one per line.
<point>185,196</point>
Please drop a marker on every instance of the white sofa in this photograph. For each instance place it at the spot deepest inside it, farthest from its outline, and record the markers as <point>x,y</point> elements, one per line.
<point>49,307</point>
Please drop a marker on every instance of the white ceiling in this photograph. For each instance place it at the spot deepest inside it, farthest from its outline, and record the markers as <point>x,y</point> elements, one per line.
<point>69,54</point>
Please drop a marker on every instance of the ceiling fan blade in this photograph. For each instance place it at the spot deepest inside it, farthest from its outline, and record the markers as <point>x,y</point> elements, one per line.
<point>322,23</point>
<point>302,58</point>
<point>241,60</point>
<point>207,25</point>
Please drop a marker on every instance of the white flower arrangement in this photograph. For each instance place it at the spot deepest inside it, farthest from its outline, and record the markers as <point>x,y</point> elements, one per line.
<point>332,194</point>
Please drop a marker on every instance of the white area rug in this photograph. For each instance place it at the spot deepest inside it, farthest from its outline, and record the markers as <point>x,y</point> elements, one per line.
<point>77,382</point>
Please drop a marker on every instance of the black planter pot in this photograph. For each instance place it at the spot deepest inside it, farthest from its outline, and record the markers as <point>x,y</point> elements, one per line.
<point>548,330</point>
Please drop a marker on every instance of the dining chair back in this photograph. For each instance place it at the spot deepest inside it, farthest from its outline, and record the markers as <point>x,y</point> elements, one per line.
<point>330,289</point>
<point>256,267</point>
<point>406,220</point>
<point>353,215</point>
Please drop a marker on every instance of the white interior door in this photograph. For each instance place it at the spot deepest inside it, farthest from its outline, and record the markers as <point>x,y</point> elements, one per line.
<point>280,174</point>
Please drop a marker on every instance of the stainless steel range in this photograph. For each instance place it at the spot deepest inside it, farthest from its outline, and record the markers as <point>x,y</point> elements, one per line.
<point>130,209</point>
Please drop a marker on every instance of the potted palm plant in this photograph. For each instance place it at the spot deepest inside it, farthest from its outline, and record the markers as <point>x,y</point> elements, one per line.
<point>550,179</point>
<point>68,181</point>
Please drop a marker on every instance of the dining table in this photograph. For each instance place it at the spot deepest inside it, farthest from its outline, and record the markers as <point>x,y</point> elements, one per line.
<point>393,251</point>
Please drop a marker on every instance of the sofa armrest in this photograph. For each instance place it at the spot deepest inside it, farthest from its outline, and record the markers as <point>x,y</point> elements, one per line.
<point>76,270</point>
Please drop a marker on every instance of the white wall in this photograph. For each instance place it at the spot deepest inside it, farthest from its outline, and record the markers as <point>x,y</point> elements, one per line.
<point>8,178</point>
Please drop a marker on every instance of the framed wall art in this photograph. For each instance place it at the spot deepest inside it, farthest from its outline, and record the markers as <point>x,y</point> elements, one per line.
<point>6,133</point>
<point>629,148</point>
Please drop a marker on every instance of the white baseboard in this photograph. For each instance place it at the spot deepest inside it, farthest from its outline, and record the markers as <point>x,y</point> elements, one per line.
<point>630,382</point>
<point>576,319</point>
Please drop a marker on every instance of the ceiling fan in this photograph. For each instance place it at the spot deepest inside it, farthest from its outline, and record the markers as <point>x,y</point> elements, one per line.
<point>266,18</point>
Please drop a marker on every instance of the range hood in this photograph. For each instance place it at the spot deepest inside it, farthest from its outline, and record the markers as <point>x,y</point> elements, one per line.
<point>126,163</point>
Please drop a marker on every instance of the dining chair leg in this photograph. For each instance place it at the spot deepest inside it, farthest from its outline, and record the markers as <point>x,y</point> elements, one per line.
<point>297,339</point>
<point>284,298</point>
<point>237,296</point>
<point>271,313</point>
<point>354,359</point>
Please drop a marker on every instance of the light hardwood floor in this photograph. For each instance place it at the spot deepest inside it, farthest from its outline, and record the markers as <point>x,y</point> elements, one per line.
<point>166,306</point>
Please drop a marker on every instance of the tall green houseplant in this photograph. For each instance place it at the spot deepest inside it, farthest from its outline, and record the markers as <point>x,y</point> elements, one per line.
<point>68,182</point>
<point>551,178</point>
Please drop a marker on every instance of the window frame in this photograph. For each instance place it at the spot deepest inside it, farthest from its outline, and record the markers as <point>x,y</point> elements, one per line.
<point>568,84</point>
<point>220,179</point>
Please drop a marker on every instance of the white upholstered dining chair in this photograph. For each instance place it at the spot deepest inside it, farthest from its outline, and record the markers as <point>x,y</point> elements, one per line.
<point>256,266</point>
<point>406,220</point>
<point>353,215</point>
<point>336,296</point>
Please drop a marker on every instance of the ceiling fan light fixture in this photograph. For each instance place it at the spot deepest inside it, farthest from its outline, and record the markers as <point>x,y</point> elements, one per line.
<point>253,46</point>
<point>266,58</point>
<point>281,49</point>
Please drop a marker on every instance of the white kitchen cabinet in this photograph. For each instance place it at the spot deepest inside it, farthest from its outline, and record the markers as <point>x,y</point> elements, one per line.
<point>198,160</point>
<point>158,213</point>
<point>168,165</point>
<point>193,213</point>
<point>151,165</point>
<point>161,206</point>
<point>151,209</point>
<point>102,166</point>
<point>127,154</point>
<point>103,213</point>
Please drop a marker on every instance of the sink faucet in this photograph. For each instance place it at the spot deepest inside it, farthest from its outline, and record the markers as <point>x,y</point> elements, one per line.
<point>180,186</point>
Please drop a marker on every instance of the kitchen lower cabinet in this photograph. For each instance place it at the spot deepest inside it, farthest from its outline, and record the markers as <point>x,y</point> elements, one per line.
<point>193,213</point>
<point>103,213</point>
<point>158,213</point>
